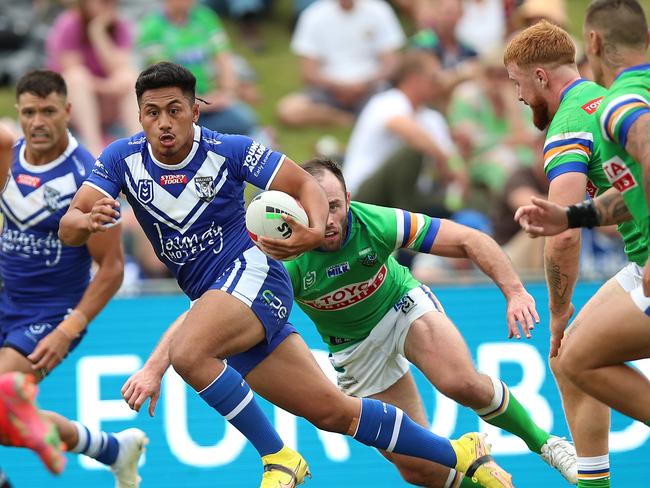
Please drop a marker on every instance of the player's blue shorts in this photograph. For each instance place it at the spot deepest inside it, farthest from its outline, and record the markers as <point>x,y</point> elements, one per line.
<point>23,325</point>
<point>264,285</point>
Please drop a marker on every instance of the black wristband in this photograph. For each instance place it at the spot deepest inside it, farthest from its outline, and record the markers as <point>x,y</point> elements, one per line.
<point>582,215</point>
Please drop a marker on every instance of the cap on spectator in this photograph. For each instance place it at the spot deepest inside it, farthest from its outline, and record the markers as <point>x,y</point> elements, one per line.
<point>551,10</point>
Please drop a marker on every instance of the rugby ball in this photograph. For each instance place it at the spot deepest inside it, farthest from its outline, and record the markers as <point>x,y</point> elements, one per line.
<point>264,215</point>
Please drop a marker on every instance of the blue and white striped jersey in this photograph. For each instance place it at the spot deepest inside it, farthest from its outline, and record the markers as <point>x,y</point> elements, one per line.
<point>33,262</point>
<point>192,212</point>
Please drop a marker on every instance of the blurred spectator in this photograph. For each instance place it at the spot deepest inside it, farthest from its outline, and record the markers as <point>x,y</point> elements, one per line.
<point>532,11</point>
<point>192,35</point>
<point>483,24</point>
<point>394,118</point>
<point>248,13</point>
<point>493,131</point>
<point>526,254</point>
<point>437,21</point>
<point>406,180</point>
<point>347,49</point>
<point>91,45</point>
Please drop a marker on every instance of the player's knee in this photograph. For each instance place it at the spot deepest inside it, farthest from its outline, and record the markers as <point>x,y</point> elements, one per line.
<point>469,391</point>
<point>331,414</point>
<point>183,358</point>
<point>571,367</point>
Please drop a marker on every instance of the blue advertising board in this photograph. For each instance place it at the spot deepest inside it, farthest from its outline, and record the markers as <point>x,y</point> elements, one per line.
<point>190,445</point>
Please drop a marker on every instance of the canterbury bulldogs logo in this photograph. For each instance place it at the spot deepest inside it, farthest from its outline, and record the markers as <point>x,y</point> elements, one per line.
<point>145,191</point>
<point>204,188</point>
<point>51,198</point>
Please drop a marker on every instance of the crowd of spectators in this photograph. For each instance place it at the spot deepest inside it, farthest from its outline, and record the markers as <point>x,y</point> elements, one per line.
<point>435,125</point>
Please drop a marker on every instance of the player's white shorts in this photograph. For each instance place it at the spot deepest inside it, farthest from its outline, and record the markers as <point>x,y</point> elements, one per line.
<point>631,280</point>
<point>376,363</point>
<point>629,277</point>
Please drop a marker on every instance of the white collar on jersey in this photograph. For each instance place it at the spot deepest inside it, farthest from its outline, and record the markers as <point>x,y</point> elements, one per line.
<point>42,168</point>
<point>184,162</point>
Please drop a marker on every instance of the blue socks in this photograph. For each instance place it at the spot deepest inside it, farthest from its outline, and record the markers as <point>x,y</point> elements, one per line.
<point>231,396</point>
<point>98,445</point>
<point>385,427</point>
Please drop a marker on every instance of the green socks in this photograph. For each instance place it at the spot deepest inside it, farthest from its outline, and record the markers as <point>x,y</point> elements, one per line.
<point>507,413</point>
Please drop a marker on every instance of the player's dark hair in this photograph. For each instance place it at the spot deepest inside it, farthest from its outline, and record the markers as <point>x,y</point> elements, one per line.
<point>622,22</point>
<point>41,82</point>
<point>166,75</point>
<point>317,167</point>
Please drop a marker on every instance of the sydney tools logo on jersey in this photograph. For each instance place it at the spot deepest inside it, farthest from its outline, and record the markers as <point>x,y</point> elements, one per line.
<point>348,295</point>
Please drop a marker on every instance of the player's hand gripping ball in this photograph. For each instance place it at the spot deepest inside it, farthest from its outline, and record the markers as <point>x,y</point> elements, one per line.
<point>264,216</point>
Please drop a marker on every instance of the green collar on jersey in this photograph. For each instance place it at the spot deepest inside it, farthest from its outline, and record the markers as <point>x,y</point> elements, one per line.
<point>638,67</point>
<point>571,86</point>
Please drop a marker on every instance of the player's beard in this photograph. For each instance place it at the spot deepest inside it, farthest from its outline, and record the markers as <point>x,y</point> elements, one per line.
<point>541,115</point>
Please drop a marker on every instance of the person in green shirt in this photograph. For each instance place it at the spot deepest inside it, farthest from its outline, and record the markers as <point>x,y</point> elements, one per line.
<point>615,330</point>
<point>193,36</point>
<point>375,318</point>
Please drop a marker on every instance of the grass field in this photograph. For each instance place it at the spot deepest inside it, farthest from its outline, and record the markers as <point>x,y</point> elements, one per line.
<point>278,74</point>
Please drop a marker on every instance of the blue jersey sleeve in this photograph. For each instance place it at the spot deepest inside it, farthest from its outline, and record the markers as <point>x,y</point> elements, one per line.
<point>105,175</point>
<point>253,162</point>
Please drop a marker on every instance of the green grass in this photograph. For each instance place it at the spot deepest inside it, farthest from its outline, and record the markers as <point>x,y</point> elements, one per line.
<point>278,75</point>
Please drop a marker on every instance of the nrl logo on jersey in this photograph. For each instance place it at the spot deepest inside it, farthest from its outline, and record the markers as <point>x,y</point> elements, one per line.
<point>204,188</point>
<point>51,198</point>
<point>145,191</point>
<point>338,269</point>
<point>309,280</point>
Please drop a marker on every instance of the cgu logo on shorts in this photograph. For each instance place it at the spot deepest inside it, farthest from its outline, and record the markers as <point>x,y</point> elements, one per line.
<point>35,331</point>
<point>619,175</point>
<point>592,106</point>
<point>348,295</point>
<point>275,303</point>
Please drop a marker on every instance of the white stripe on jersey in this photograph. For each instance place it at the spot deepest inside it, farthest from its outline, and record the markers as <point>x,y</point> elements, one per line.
<point>164,204</point>
<point>275,172</point>
<point>628,97</point>
<point>253,277</point>
<point>563,153</point>
<point>419,222</point>
<point>569,135</point>
<point>27,211</point>
<point>400,228</point>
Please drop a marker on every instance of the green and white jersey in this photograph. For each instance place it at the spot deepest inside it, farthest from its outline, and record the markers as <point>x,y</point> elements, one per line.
<point>347,292</point>
<point>193,44</point>
<point>627,99</point>
<point>574,144</point>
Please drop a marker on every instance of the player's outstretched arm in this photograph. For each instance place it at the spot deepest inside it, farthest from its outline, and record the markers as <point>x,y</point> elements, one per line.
<point>145,383</point>
<point>545,218</point>
<point>106,250</point>
<point>295,181</point>
<point>459,241</point>
<point>90,211</point>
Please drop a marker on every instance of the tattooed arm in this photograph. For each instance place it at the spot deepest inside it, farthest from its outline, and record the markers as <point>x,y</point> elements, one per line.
<point>562,257</point>
<point>611,208</point>
<point>638,146</point>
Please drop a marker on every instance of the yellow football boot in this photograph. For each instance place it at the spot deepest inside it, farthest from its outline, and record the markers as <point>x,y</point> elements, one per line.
<point>284,469</point>
<point>473,459</point>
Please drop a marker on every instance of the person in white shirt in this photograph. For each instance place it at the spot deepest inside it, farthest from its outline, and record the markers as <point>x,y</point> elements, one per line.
<point>399,117</point>
<point>347,48</point>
